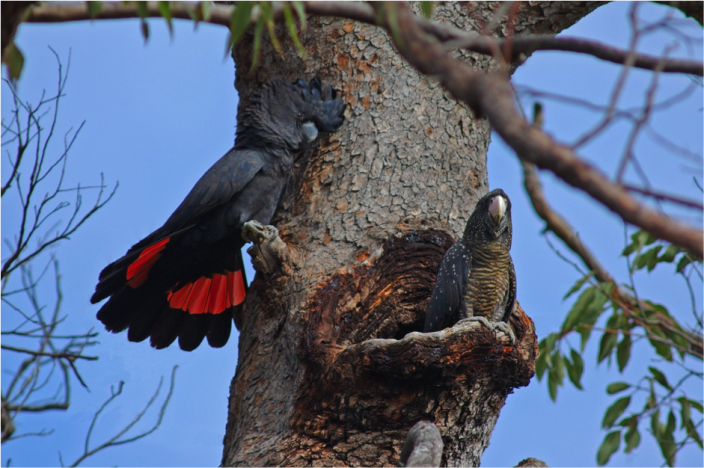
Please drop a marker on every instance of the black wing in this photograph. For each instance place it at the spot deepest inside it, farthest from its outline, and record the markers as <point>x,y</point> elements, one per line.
<point>511,293</point>
<point>218,185</point>
<point>450,286</point>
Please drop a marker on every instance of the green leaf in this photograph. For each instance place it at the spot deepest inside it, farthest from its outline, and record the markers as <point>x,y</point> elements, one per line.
<point>426,7</point>
<point>552,387</point>
<point>648,259</point>
<point>651,401</point>
<point>632,438</point>
<point>671,423</point>
<point>649,239</point>
<point>239,22</point>
<point>14,61</point>
<point>687,422</point>
<point>629,421</point>
<point>661,348</point>
<point>556,373</point>
<point>142,9</point>
<point>584,333</point>
<point>639,240</point>
<point>692,432</point>
<point>608,447</point>
<point>258,29</point>
<point>617,387</point>
<point>596,306</point>
<point>670,253</point>
<point>623,352</point>
<point>94,9</point>
<point>301,11</point>
<point>204,10</point>
<point>579,309</point>
<point>578,285</point>
<point>391,10</point>
<point>608,342</point>
<point>653,257</point>
<point>668,447</point>
<point>268,15</point>
<point>541,364</point>
<point>615,411</point>
<point>165,11</point>
<point>575,370</point>
<point>291,25</point>
<point>660,377</point>
<point>655,425</point>
<point>574,317</point>
<point>696,405</point>
<point>682,264</point>
<point>685,412</point>
<point>145,29</point>
<point>558,366</point>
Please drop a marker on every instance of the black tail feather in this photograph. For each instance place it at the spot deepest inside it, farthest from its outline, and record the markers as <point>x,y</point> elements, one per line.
<point>193,330</point>
<point>219,329</point>
<point>120,310</point>
<point>144,318</point>
<point>166,328</point>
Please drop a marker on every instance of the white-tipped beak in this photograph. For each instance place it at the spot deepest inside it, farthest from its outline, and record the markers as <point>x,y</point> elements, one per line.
<point>497,208</point>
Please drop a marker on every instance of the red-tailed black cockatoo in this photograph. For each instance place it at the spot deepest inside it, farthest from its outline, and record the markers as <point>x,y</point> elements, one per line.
<point>186,279</point>
<point>476,279</point>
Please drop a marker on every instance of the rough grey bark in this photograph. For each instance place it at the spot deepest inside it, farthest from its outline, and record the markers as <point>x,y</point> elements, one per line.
<point>423,446</point>
<point>328,373</point>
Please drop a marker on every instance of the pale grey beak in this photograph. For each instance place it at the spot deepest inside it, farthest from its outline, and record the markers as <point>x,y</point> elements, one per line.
<point>497,208</point>
<point>310,130</point>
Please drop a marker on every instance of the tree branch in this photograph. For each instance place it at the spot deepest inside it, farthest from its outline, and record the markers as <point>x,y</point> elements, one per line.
<point>664,197</point>
<point>491,95</point>
<point>558,225</point>
<point>50,12</point>
<point>514,48</point>
<point>521,47</point>
<point>554,222</point>
<point>61,355</point>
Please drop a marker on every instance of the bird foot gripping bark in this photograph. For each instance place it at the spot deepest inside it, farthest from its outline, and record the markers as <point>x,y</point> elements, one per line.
<point>500,326</point>
<point>269,253</point>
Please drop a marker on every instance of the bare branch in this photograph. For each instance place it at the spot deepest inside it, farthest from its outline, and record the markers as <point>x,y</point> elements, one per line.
<point>116,439</point>
<point>665,197</point>
<point>69,356</point>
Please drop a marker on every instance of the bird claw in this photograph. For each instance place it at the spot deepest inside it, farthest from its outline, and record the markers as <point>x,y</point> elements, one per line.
<point>269,252</point>
<point>506,328</point>
<point>502,326</point>
<point>255,232</point>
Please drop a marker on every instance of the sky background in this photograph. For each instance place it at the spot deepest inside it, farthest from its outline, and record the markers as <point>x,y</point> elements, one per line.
<point>158,115</point>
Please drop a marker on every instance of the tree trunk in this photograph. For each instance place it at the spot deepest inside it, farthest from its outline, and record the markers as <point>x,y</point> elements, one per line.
<point>328,373</point>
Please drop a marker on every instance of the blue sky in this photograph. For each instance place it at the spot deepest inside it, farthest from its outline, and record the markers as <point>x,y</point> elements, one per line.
<point>157,116</point>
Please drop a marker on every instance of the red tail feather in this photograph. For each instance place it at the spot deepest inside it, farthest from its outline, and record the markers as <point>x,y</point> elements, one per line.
<point>209,296</point>
<point>138,270</point>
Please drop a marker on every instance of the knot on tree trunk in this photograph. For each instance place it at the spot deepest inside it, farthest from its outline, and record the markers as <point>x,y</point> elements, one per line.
<point>370,374</point>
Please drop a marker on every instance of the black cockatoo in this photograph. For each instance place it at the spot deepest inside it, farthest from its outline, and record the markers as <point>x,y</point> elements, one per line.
<point>186,279</point>
<point>476,279</point>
